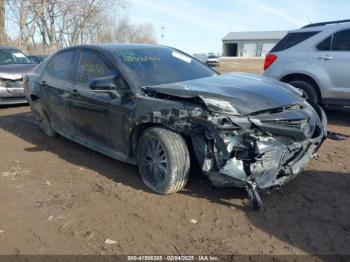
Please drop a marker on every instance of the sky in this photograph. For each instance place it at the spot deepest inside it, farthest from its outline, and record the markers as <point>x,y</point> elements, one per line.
<point>198,26</point>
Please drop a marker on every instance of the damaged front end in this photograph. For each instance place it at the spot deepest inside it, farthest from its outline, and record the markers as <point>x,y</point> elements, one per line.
<point>252,141</point>
<point>261,151</point>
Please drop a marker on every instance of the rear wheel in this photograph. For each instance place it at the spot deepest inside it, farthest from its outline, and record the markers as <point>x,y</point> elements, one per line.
<point>163,160</point>
<point>42,118</point>
<point>308,88</point>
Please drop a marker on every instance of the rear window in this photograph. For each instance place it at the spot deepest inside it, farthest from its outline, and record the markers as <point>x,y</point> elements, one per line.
<point>292,39</point>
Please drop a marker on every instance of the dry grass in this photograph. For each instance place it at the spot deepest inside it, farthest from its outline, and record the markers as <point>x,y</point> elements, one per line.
<point>253,65</point>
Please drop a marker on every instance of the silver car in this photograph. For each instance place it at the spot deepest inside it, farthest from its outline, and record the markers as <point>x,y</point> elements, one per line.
<point>315,59</point>
<point>13,66</point>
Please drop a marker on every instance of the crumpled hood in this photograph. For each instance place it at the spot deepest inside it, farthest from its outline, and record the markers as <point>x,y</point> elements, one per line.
<point>15,72</point>
<point>248,93</point>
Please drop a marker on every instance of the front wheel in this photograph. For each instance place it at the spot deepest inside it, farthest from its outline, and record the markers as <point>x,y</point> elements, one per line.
<point>163,160</point>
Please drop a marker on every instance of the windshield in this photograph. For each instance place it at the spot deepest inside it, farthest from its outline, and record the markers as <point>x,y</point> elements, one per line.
<point>13,56</point>
<point>210,56</point>
<point>155,66</point>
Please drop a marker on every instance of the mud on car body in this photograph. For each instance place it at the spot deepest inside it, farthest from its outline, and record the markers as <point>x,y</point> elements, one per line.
<point>152,106</point>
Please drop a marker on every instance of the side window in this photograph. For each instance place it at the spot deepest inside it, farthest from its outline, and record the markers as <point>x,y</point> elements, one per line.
<point>325,45</point>
<point>292,39</point>
<point>92,66</point>
<point>341,41</point>
<point>62,65</point>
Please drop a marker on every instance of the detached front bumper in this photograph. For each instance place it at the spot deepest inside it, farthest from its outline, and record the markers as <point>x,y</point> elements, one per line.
<point>267,162</point>
<point>12,95</point>
<point>273,168</point>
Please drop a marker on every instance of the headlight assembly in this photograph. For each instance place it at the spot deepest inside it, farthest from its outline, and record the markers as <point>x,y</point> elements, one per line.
<point>220,106</point>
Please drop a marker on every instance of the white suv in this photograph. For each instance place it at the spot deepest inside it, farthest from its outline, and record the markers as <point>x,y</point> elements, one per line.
<point>316,59</point>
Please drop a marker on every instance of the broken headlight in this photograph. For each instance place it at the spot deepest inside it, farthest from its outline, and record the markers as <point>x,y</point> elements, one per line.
<point>220,106</point>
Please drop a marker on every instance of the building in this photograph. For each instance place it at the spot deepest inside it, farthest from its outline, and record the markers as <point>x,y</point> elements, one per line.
<point>250,44</point>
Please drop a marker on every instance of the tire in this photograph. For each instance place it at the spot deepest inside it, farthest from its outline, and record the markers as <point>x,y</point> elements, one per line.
<point>308,88</point>
<point>255,199</point>
<point>163,160</point>
<point>42,119</point>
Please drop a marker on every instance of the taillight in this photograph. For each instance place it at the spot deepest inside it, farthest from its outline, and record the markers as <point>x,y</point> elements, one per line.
<point>269,60</point>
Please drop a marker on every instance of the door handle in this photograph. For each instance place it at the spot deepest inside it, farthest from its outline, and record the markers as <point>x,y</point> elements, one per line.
<point>325,58</point>
<point>75,92</point>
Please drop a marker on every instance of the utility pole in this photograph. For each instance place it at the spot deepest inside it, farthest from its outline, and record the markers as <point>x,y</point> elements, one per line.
<point>162,35</point>
<point>3,38</point>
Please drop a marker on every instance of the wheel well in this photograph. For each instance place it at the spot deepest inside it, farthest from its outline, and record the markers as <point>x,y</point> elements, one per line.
<point>137,132</point>
<point>291,77</point>
<point>33,98</point>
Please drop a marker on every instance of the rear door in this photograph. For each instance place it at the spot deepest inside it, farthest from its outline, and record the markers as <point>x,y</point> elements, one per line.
<point>56,84</point>
<point>333,55</point>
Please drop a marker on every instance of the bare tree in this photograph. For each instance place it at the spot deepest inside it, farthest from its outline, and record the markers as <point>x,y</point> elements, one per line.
<point>123,31</point>
<point>57,23</point>
<point>22,13</point>
<point>3,37</point>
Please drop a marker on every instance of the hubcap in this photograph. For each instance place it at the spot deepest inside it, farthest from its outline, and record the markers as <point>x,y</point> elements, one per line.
<point>154,161</point>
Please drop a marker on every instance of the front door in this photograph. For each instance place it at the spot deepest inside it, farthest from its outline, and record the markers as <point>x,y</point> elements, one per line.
<point>97,117</point>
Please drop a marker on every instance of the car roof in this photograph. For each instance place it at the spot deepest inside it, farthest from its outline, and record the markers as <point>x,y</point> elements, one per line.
<point>327,27</point>
<point>8,48</point>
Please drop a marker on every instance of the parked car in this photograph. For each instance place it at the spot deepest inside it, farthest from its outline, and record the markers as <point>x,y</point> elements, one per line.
<point>212,60</point>
<point>315,59</point>
<point>37,59</point>
<point>202,57</point>
<point>152,105</point>
<point>13,66</point>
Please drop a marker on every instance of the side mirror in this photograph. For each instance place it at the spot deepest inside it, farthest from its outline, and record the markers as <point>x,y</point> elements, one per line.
<point>105,85</point>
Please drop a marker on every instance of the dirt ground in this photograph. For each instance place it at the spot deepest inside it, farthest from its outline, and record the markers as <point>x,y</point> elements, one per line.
<point>58,197</point>
<point>252,65</point>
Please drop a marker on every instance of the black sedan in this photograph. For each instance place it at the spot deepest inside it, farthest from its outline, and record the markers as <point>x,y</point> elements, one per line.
<point>151,106</point>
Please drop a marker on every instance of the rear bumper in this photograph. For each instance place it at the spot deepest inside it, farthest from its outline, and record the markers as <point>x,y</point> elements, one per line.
<point>213,64</point>
<point>11,96</point>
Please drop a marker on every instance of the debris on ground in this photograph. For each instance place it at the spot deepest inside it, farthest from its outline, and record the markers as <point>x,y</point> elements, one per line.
<point>337,136</point>
<point>46,183</point>
<point>193,221</point>
<point>110,242</point>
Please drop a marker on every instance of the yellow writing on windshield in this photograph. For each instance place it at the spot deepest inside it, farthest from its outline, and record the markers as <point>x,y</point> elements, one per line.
<point>133,59</point>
